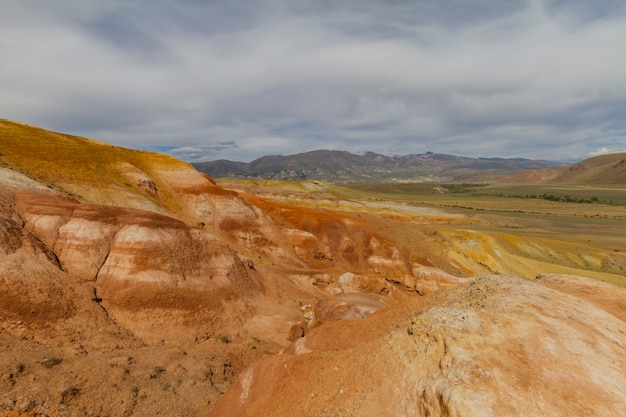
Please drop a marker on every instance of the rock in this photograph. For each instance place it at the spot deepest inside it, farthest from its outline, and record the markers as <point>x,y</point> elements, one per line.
<point>349,307</point>
<point>498,346</point>
<point>606,296</point>
<point>140,265</point>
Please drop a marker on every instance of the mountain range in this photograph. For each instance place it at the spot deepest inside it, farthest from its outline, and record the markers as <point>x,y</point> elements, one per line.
<point>346,167</point>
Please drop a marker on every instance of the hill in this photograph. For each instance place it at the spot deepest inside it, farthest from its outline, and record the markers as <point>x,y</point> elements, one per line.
<point>96,172</point>
<point>603,169</point>
<point>342,166</point>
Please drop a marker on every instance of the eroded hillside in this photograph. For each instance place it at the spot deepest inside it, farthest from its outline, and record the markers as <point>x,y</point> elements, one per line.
<point>131,284</point>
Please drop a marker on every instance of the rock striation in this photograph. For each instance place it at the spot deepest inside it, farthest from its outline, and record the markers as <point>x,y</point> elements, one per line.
<point>138,265</point>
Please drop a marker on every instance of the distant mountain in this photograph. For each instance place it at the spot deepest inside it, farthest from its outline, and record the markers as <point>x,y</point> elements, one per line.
<point>342,166</point>
<point>604,169</point>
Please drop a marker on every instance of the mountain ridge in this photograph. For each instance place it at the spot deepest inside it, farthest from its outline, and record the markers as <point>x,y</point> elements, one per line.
<point>343,166</point>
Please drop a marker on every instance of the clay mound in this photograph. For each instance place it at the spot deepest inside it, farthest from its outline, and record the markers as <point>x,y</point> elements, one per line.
<point>499,346</point>
<point>152,274</point>
<point>39,300</point>
<point>95,172</point>
<point>116,311</point>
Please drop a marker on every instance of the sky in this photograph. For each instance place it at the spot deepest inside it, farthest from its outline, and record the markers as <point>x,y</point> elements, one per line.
<point>239,79</point>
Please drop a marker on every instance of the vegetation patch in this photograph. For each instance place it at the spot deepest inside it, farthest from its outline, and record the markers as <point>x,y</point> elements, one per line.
<point>465,187</point>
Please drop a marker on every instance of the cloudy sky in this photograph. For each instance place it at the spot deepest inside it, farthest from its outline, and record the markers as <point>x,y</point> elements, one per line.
<point>238,79</point>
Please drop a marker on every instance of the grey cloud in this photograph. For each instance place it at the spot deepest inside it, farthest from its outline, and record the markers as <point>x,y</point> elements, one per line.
<point>203,153</point>
<point>116,29</point>
<point>242,79</point>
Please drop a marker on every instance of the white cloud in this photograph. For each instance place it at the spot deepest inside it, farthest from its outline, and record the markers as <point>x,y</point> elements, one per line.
<point>604,151</point>
<point>479,78</point>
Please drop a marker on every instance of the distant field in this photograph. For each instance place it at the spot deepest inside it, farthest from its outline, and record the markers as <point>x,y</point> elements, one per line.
<point>609,194</point>
<point>605,201</point>
<point>599,201</point>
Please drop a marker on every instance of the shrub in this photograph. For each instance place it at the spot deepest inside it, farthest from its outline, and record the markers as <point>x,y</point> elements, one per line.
<point>31,405</point>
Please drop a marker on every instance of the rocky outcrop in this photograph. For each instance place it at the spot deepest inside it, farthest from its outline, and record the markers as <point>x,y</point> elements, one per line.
<point>352,250</point>
<point>39,299</point>
<point>139,265</point>
<point>348,307</point>
<point>498,346</point>
<point>102,307</point>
